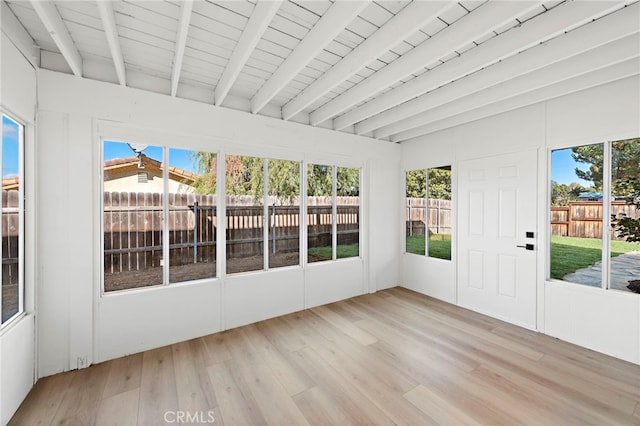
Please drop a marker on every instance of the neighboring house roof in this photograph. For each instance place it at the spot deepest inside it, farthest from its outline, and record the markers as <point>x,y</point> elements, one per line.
<point>10,183</point>
<point>591,195</point>
<point>175,173</point>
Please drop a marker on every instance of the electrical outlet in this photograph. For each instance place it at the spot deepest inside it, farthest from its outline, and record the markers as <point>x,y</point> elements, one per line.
<point>83,362</point>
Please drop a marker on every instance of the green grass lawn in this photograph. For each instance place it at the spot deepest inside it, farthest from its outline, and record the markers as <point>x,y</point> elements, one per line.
<point>351,250</point>
<point>439,245</point>
<point>568,254</point>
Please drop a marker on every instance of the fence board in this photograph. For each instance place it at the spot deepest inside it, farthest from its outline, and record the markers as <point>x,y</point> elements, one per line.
<point>133,227</point>
<point>583,219</point>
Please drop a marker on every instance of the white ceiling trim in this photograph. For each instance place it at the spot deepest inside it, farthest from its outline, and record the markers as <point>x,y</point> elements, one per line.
<point>50,17</point>
<point>109,22</point>
<point>258,23</point>
<point>586,81</point>
<point>409,20</point>
<point>186,6</point>
<point>479,22</point>
<point>591,60</point>
<point>541,28</point>
<point>339,15</point>
<point>602,31</point>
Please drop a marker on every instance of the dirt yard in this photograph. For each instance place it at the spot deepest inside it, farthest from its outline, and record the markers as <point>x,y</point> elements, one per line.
<point>195,271</point>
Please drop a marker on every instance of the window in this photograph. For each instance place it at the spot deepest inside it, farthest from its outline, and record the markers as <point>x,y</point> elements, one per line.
<point>245,213</point>
<point>595,192</point>
<point>12,216</point>
<point>333,212</point>
<point>416,211</point>
<point>439,212</point>
<point>152,213</point>
<point>262,191</point>
<point>428,212</point>
<point>320,212</point>
<point>348,212</point>
<point>624,234</point>
<point>284,213</point>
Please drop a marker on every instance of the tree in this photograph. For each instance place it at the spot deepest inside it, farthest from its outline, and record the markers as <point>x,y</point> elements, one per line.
<point>244,176</point>
<point>416,184</point>
<point>625,184</point>
<point>625,161</point>
<point>562,194</point>
<point>439,183</point>
<point>591,155</point>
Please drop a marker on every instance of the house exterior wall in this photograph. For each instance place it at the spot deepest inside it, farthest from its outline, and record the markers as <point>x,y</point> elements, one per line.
<point>77,322</point>
<point>606,321</point>
<point>129,183</point>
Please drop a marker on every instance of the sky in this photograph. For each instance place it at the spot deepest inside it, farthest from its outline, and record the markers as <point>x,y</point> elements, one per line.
<point>180,158</point>
<point>10,145</point>
<point>563,168</point>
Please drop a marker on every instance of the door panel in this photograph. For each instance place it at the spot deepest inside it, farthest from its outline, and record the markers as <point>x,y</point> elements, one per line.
<point>497,207</point>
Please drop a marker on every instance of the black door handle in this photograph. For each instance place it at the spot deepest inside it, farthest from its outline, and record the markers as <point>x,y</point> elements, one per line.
<point>527,247</point>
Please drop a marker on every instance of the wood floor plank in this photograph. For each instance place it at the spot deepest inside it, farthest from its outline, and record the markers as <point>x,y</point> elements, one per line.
<point>440,409</point>
<point>42,403</point>
<point>158,393</point>
<point>217,350</point>
<point>389,400</point>
<point>357,407</point>
<point>320,407</point>
<point>344,325</point>
<point>82,398</point>
<point>125,375</point>
<point>293,379</point>
<point>193,386</point>
<point>233,407</point>
<point>394,357</point>
<point>118,409</point>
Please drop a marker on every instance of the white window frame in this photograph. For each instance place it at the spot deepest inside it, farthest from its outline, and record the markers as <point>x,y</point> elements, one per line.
<point>165,212</point>
<point>605,277</point>
<point>21,222</point>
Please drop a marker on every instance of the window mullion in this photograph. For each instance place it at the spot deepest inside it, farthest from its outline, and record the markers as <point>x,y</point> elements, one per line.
<point>606,215</point>
<point>265,213</point>
<point>165,213</point>
<point>334,213</point>
<point>426,212</point>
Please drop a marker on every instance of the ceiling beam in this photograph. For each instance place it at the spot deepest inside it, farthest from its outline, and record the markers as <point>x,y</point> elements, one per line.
<point>50,17</point>
<point>601,57</point>
<point>605,30</point>
<point>409,20</point>
<point>186,6</point>
<point>262,15</point>
<point>338,16</point>
<point>109,23</point>
<point>586,81</point>
<point>532,32</point>
<point>16,32</point>
<point>471,27</point>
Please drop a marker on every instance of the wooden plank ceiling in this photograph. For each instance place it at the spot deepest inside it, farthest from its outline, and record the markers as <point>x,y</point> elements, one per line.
<point>391,70</point>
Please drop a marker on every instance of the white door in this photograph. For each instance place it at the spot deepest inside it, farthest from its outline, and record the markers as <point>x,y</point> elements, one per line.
<point>497,207</point>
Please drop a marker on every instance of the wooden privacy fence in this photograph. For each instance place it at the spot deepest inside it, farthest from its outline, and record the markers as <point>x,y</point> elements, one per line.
<point>133,227</point>
<point>10,231</point>
<point>583,219</point>
<point>421,212</point>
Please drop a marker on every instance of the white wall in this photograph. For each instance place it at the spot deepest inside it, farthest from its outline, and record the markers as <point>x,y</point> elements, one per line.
<point>17,339</point>
<point>76,322</point>
<point>606,321</point>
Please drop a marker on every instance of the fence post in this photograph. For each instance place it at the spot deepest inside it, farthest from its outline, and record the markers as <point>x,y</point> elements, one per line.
<point>273,227</point>
<point>410,219</point>
<point>438,216</point>
<point>195,231</point>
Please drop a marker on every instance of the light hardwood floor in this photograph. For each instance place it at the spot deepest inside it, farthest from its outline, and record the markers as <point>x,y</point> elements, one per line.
<point>395,357</point>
